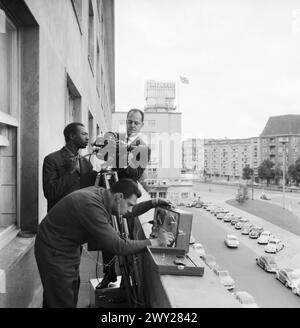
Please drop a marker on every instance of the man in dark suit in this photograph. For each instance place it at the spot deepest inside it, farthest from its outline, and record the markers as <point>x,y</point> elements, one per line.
<point>73,221</point>
<point>65,171</point>
<point>139,152</point>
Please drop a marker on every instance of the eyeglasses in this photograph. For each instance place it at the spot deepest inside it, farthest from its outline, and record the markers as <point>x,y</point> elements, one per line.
<point>133,122</point>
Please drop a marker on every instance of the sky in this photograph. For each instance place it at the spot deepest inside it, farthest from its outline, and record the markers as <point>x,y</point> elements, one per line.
<point>242,59</point>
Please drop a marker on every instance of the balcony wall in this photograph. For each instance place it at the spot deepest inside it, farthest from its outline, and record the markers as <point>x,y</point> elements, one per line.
<point>170,291</point>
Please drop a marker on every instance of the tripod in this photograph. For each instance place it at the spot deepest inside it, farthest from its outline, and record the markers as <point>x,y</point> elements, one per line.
<point>128,265</point>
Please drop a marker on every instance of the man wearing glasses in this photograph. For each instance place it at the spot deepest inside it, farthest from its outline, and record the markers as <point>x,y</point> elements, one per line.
<point>139,153</point>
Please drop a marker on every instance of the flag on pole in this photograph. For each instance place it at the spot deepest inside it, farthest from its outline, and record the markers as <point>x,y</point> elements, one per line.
<point>2,22</point>
<point>184,79</point>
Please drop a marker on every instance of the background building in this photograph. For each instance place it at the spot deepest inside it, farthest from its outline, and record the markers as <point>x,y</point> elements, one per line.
<point>278,127</point>
<point>193,155</point>
<point>226,158</point>
<point>160,96</point>
<point>57,66</point>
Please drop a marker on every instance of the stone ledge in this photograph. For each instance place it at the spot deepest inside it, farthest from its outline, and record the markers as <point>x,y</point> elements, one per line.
<point>11,254</point>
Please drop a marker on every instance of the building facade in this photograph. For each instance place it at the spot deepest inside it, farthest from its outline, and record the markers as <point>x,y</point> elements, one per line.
<point>226,158</point>
<point>159,96</point>
<point>57,66</point>
<point>281,135</point>
<point>193,155</point>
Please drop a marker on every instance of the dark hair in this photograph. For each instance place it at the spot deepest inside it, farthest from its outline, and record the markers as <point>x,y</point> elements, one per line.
<point>71,129</point>
<point>127,187</point>
<point>136,110</point>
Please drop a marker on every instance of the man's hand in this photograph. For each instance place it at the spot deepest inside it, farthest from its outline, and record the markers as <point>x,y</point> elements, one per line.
<point>161,202</point>
<point>164,239</point>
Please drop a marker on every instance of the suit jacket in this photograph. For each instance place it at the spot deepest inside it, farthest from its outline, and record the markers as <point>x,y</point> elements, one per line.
<point>57,179</point>
<point>130,172</point>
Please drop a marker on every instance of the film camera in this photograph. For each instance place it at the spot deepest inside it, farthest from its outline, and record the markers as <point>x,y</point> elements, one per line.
<point>176,221</point>
<point>112,149</point>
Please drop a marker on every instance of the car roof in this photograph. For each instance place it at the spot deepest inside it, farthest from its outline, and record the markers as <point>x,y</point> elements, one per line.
<point>230,236</point>
<point>275,239</point>
<point>242,293</point>
<point>198,244</point>
<point>268,257</point>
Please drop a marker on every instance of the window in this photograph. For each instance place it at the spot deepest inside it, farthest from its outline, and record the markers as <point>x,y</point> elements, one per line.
<point>162,195</point>
<point>9,112</point>
<point>99,7</point>
<point>98,71</point>
<point>151,123</point>
<point>153,194</point>
<point>91,130</point>
<point>77,6</point>
<point>91,36</point>
<point>73,103</point>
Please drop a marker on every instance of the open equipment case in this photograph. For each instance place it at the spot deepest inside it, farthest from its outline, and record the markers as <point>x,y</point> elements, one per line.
<point>173,259</point>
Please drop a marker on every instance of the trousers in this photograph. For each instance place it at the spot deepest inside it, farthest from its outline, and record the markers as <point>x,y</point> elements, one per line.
<point>59,272</point>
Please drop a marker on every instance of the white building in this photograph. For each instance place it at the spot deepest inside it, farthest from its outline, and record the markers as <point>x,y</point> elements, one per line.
<point>226,158</point>
<point>160,96</point>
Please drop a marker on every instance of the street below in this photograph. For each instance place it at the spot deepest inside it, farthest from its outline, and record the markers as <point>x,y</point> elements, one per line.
<point>248,276</point>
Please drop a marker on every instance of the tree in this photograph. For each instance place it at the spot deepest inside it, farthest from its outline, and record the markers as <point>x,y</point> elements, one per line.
<point>265,170</point>
<point>294,171</point>
<point>247,172</point>
<point>242,194</point>
<point>278,173</point>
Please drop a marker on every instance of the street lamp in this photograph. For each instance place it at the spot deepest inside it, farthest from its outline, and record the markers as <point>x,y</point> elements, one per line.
<point>283,141</point>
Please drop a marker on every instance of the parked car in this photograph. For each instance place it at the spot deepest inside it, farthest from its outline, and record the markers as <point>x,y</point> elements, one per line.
<point>180,204</point>
<point>246,228</point>
<point>235,219</point>
<point>241,223</point>
<point>206,204</point>
<point>255,232</point>
<point>199,204</point>
<point>209,260</point>
<point>192,240</point>
<point>199,249</point>
<point>211,208</point>
<point>274,245</point>
<point>189,204</point>
<point>264,237</point>
<point>231,241</point>
<point>267,263</point>
<point>227,217</point>
<point>220,216</point>
<point>296,288</point>
<point>217,210</point>
<point>289,277</point>
<point>246,299</point>
<point>225,279</point>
